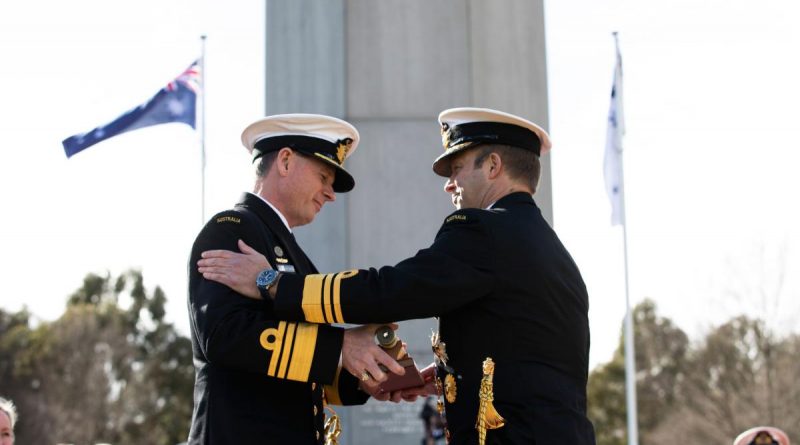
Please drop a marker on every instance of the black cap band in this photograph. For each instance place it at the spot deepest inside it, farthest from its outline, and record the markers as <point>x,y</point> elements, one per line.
<point>332,152</point>
<point>492,133</point>
<point>295,142</point>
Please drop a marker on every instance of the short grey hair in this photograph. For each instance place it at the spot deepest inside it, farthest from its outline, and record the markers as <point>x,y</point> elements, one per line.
<point>264,163</point>
<point>7,406</point>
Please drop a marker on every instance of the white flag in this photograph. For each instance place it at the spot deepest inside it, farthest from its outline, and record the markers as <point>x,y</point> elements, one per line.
<point>613,160</point>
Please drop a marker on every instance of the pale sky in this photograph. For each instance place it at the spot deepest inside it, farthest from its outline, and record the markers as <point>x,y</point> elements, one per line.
<point>711,103</point>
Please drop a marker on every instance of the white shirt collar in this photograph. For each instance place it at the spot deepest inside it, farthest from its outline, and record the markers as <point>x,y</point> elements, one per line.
<point>280,215</point>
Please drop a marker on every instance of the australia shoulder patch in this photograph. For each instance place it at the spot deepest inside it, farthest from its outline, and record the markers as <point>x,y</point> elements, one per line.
<point>456,218</point>
<point>464,216</point>
<point>228,218</point>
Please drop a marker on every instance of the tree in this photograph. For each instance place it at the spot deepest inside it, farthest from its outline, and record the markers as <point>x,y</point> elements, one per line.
<point>101,372</point>
<point>661,360</point>
<point>741,375</point>
<point>744,372</point>
<point>661,350</point>
<point>605,395</point>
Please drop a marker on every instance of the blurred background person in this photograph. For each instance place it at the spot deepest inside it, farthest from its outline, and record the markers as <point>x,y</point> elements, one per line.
<point>432,422</point>
<point>762,435</point>
<point>8,417</point>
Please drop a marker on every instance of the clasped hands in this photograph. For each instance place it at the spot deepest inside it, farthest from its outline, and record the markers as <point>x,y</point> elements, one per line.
<point>361,356</point>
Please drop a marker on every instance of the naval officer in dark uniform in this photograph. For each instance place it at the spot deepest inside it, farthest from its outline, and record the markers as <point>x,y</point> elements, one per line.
<point>260,380</point>
<point>497,276</point>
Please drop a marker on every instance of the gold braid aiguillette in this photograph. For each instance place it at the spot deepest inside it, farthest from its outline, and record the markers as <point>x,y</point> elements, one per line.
<point>439,403</point>
<point>439,349</point>
<point>488,417</point>
<point>440,358</point>
<point>333,428</point>
<point>450,388</point>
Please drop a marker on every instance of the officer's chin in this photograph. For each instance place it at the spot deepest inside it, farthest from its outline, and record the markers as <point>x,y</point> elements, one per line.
<point>307,220</point>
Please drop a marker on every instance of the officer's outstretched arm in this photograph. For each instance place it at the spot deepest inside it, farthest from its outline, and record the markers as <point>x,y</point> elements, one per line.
<point>456,270</point>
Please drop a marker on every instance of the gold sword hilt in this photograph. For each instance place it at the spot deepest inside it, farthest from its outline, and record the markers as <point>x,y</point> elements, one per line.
<point>488,417</point>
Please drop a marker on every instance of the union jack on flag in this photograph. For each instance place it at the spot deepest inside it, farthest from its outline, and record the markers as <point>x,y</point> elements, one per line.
<point>176,102</point>
<point>190,78</point>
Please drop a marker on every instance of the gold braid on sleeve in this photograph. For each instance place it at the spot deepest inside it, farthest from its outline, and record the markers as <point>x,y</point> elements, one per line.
<point>488,417</point>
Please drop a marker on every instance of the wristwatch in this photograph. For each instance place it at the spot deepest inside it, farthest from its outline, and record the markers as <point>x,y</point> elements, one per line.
<point>265,280</point>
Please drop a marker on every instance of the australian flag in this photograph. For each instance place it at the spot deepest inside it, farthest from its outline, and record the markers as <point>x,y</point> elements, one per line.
<point>176,102</point>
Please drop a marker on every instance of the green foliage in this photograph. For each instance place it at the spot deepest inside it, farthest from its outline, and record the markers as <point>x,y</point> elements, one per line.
<point>661,353</point>
<point>740,376</point>
<point>101,372</point>
<point>606,402</point>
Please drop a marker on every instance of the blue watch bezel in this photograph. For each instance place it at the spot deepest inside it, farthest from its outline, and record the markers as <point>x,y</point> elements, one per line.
<point>266,278</point>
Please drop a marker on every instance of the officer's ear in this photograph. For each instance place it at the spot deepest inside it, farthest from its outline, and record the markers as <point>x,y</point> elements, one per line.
<point>283,160</point>
<point>495,163</point>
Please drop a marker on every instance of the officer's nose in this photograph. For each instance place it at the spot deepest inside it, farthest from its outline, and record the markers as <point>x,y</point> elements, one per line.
<point>450,185</point>
<point>329,194</point>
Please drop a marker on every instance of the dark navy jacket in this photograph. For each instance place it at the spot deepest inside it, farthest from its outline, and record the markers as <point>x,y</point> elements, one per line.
<point>259,380</point>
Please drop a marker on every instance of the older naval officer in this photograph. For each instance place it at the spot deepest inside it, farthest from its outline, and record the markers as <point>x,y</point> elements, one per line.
<point>261,379</point>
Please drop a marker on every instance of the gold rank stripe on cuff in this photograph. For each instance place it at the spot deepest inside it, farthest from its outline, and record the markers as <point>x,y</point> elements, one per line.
<point>326,297</point>
<point>332,391</point>
<point>292,346</point>
<point>322,297</point>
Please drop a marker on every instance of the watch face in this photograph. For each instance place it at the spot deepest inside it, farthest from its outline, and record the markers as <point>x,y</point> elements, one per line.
<point>266,277</point>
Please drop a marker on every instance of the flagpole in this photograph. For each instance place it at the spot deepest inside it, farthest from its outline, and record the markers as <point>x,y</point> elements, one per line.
<point>203,129</point>
<point>630,350</point>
